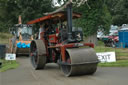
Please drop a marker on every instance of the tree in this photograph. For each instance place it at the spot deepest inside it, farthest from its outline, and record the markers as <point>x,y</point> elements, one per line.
<point>28,9</point>
<point>93,18</point>
<point>120,13</point>
<point>118,10</point>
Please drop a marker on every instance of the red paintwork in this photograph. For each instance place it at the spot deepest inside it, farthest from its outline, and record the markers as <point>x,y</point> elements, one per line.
<point>53,38</point>
<point>57,30</point>
<point>114,38</point>
<point>52,16</point>
<point>39,19</point>
<point>63,50</point>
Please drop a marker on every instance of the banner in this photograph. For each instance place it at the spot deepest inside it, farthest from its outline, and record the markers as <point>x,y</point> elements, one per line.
<point>10,56</point>
<point>106,56</point>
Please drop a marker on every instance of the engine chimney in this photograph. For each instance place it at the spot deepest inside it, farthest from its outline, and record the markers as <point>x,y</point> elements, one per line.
<point>69,22</point>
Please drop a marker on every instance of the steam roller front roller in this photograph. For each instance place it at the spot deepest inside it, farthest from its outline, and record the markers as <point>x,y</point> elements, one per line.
<point>82,61</point>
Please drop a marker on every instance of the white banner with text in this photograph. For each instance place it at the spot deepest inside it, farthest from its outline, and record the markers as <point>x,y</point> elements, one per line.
<point>106,56</point>
<point>10,56</point>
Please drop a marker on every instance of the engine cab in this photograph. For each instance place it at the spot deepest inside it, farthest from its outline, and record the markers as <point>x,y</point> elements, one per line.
<point>22,31</point>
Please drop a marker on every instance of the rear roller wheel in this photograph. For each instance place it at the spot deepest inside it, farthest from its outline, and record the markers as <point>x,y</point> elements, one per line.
<point>38,54</point>
<point>80,61</point>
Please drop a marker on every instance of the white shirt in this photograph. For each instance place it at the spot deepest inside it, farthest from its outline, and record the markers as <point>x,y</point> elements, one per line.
<point>40,30</point>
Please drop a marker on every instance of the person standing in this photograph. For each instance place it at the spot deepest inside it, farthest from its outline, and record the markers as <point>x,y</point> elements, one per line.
<point>41,29</point>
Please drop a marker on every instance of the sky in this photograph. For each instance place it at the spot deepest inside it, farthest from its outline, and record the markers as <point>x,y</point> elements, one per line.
<point>55,3</point>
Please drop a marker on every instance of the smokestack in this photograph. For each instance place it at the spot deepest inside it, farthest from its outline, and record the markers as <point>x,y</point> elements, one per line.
<point>69,17</point>
<point>69,22</point>
<point>20,22</point>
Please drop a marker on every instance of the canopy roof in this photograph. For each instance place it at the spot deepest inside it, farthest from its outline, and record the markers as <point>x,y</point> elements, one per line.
<point>62,15</point>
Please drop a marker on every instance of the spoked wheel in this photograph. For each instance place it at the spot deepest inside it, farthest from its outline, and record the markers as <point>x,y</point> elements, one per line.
<point>80,61</point>
<point>38,54</point>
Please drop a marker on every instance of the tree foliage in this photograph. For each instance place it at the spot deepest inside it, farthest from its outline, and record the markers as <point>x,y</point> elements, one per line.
<point>28,9</point>
<point>118,10</point>
<point>92,18</point>
<point>120,13</point>
<point>95,13</point>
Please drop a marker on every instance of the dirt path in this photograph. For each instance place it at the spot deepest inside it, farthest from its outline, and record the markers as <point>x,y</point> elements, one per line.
<point>25,75</point>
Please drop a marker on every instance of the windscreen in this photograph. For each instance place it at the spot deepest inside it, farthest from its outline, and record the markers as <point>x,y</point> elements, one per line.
<point>26,30</point>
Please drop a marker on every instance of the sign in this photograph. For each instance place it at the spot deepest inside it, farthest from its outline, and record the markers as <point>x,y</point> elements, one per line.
<point>106,56</point>
<point>10,56</point>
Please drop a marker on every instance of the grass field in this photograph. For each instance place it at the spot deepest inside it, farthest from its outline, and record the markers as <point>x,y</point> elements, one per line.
<point>6,65</point>
<point>121,53</point>
<point>4,38</point>
<point>119,63</point>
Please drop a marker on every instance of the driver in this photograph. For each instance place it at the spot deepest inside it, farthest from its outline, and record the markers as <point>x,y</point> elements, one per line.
<point>19,33</point>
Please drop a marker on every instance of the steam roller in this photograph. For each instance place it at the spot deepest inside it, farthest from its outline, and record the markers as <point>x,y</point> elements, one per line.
<point>61,44</point>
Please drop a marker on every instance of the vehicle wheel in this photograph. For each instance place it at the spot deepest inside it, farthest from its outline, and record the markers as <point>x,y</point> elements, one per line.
<point>79,61</point>
<point>38,54</point>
